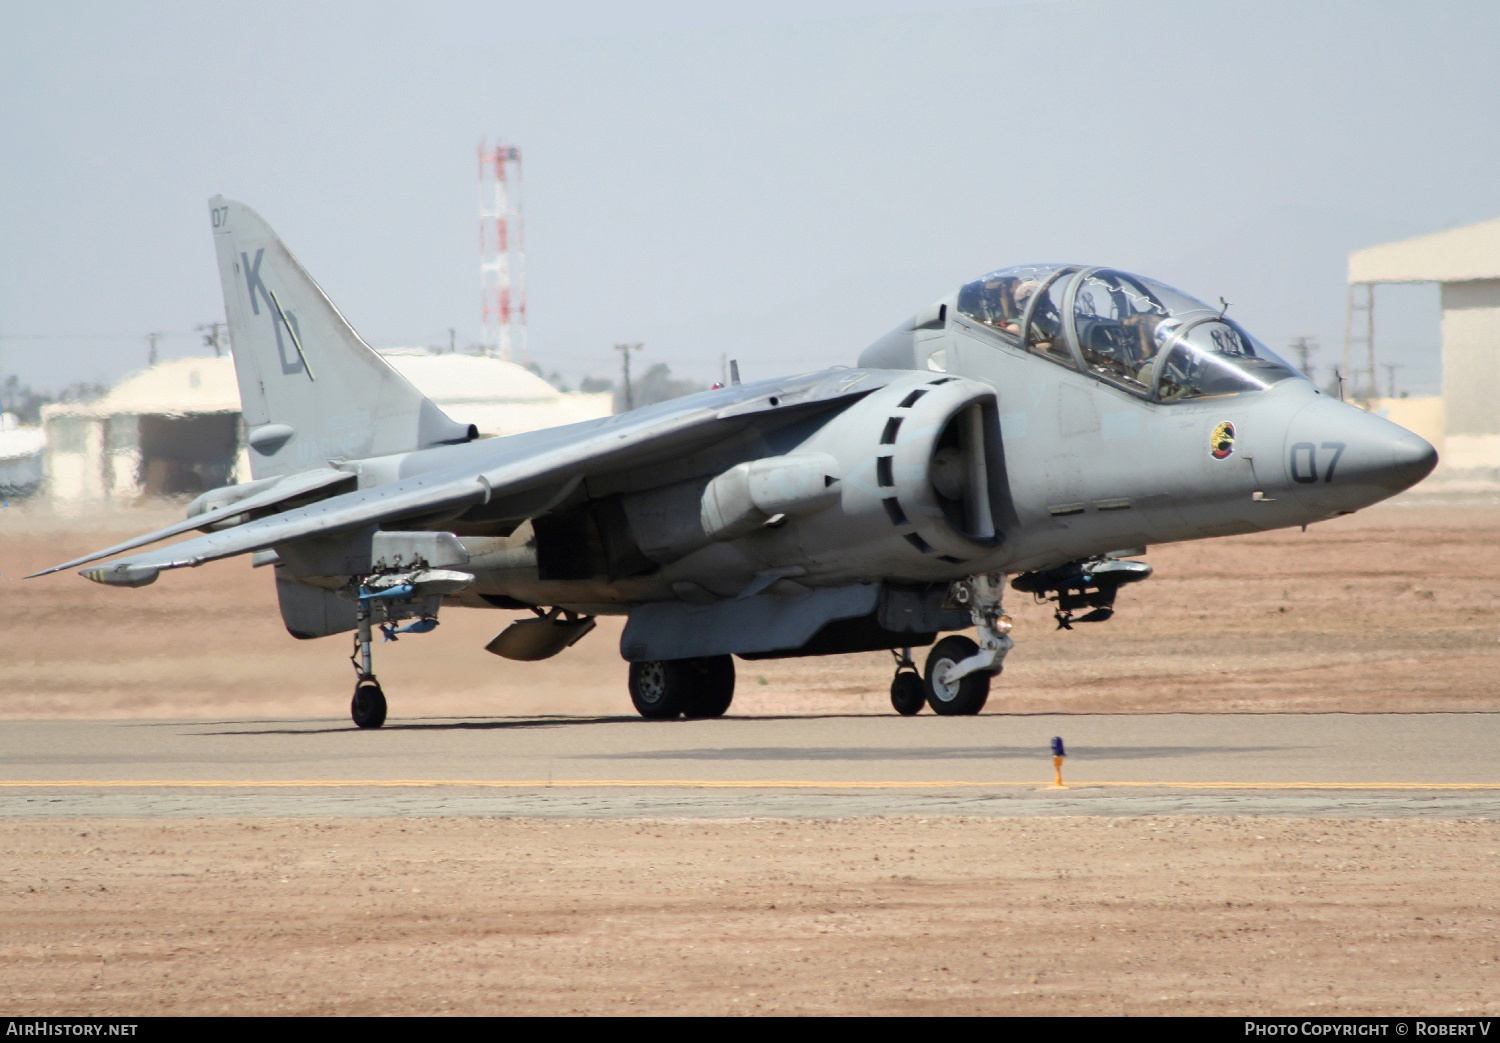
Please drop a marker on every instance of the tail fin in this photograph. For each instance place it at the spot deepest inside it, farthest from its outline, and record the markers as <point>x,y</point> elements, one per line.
<point>311,390</point>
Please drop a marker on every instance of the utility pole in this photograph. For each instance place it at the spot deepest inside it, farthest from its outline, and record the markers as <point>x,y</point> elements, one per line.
<point>1306,348</point>
<point>625,350</point>
<point>452,340</point>
<point>1390,376</point>
<point>213,336</point>
<point>1359,332</point>
<point>151,339</point>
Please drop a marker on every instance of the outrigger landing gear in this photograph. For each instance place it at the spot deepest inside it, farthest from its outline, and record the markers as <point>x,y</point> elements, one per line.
<point>368,705</point>
<point>958,670</point>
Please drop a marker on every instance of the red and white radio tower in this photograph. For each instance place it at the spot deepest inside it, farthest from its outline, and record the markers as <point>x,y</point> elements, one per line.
<point>502,251</point>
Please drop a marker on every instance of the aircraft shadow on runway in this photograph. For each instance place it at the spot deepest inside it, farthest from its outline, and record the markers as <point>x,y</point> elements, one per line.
<point>487,723</point>
<point>483,724</point>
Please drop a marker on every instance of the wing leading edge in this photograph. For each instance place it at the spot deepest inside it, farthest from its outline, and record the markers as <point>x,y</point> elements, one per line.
<point>289,488</point>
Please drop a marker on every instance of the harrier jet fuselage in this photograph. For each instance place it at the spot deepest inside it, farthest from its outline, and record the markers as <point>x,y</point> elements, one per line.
<point>1045,422</point>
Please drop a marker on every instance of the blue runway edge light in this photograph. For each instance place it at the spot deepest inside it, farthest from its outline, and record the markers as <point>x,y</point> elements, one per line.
<point>1057,747</point>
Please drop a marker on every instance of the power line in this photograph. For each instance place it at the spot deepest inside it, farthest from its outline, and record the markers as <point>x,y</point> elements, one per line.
<point>94,336</point>
<point>86,336</point>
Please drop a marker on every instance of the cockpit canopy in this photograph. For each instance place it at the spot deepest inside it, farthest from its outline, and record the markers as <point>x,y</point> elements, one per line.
<point>1134,333</point>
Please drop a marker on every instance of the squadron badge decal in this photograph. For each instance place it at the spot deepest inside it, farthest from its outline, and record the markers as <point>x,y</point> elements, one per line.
<point>1221,442</point>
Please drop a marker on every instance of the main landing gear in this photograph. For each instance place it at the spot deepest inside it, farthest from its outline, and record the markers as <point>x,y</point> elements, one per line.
<point>957,679</point>
<point>665,689</point>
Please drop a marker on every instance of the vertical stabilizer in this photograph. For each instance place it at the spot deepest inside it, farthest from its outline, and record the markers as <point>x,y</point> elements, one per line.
<point>311,390</point>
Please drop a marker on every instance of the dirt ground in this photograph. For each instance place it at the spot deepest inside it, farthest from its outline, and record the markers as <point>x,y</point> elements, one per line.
<point>877,916</point>
<point>1395,608</point>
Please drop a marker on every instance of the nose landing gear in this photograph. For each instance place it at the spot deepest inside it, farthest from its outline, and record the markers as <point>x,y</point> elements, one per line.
<point>957,679</point>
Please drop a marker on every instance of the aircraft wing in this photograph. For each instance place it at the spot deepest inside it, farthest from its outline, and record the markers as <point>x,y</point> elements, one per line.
<point>289,488</point>
<point>518,476</point>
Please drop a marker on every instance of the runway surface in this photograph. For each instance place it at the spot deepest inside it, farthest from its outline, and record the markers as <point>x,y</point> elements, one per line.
<point>811,766</point>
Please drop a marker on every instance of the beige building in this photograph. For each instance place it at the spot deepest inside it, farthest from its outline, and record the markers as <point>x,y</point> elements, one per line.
<point>175,429</point>
<point>1466,261</point>
<point>21,451</point>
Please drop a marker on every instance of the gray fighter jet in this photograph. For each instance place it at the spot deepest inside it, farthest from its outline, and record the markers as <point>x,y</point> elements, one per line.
<point>1045,422</point>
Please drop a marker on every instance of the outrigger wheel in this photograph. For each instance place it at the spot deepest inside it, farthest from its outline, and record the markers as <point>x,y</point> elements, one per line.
<point>368,706</point>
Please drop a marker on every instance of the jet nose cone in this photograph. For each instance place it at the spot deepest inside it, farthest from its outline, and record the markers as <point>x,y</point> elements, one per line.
<point>1339,452</point>
<point>1412,459</point>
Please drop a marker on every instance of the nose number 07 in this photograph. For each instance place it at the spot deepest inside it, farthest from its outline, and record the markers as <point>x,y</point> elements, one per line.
<point>1305,461</point>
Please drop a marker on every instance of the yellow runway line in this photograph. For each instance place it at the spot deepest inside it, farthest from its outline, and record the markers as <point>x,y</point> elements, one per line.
<point>801,784</point>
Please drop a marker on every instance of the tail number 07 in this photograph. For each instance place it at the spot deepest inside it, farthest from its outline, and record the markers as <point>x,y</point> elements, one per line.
<point>1305,461</point>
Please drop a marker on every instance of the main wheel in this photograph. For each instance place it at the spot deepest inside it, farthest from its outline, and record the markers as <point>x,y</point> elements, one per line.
<point>908,693</point>
<point>710,685</point>
<point>368,705</point>
<point>657,690</point>
<point>965,697</point>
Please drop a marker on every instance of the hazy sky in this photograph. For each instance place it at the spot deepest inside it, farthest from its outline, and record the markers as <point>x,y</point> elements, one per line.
<point>779,187</point>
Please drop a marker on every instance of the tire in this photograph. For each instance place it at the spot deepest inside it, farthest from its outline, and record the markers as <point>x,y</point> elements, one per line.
<point>908,693</point>
<point>657,690</point>
<point>965,698</point>
<point>368,705</point>
<point>710,685</point>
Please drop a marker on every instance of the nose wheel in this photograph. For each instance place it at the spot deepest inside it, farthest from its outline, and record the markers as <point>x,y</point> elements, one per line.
<point>950,696</point>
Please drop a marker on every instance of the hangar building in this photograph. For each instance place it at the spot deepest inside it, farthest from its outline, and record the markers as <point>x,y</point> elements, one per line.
<point>175,428</point>
<point>1466,261</point>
